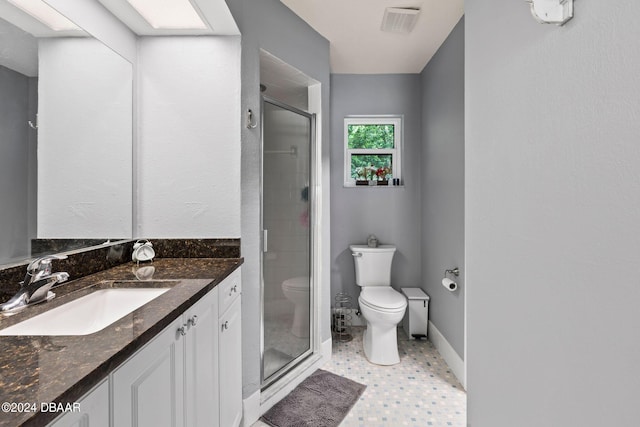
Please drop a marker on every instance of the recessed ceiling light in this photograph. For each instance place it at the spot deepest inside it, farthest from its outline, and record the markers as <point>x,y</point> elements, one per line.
<point>45,14</point>
<point>400,19</point>
<point>169,14</point>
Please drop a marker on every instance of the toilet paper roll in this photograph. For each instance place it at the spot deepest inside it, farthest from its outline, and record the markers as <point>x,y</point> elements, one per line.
<point>449,284</point>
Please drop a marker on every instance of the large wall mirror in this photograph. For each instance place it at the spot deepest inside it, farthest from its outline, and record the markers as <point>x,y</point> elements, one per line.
<point>65,137</point>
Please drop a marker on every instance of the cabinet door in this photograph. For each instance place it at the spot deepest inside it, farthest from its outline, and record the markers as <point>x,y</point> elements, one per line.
<point>230,364</point>
<point>201,367</point>
<point>94,410</point>
<point>148,389</point>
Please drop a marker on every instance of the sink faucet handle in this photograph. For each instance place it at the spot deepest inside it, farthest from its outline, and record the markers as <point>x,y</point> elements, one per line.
<point>43,264</point>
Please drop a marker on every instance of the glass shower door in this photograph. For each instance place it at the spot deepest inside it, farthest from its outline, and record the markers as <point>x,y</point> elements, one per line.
<point>286,257</point>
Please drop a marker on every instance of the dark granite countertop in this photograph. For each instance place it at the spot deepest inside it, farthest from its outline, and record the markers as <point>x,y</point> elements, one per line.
<point>61,369</point>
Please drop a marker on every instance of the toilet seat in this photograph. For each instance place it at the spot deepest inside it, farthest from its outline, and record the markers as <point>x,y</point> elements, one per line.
<point>296,284</point>
<point>383,298</point>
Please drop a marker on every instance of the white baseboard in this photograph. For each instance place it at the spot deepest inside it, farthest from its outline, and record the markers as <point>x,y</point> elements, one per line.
<point>251,409</point>
<point>327,348</point>
<point>448,354</point>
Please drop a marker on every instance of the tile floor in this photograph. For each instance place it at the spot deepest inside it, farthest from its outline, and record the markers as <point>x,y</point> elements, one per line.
<point>420,391</point>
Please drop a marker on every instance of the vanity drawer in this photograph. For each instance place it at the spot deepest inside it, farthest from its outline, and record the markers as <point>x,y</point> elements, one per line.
<point>228,290</point>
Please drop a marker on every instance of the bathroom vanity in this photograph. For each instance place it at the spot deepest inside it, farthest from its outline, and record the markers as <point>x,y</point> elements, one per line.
<point>176,359</point>
<point>85,104</point>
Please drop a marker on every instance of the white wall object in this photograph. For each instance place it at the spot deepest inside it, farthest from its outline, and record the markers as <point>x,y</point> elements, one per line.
<point>552,11</point>
<point>84,148</point>
<point>189,137</point>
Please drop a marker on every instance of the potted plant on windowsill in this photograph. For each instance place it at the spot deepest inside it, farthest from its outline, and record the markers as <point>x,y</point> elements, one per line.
<point>365,174</point>
<point>381,174</point>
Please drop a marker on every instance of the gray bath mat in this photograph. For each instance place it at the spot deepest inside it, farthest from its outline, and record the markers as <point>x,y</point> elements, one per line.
<point>322,400</point>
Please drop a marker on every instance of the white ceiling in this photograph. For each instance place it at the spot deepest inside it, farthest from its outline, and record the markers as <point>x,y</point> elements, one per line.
<point>358,46</point>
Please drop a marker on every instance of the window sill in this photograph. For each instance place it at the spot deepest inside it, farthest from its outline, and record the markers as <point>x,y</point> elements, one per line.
<point>349,185</point>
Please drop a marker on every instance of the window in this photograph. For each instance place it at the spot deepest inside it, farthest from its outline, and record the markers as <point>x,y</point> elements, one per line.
<point>372,150</point>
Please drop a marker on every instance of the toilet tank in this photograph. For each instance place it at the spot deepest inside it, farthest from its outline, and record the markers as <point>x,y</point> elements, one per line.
<point>373,265</point>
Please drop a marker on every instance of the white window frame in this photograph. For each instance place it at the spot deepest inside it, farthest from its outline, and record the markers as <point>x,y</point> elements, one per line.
<point>396,152</point>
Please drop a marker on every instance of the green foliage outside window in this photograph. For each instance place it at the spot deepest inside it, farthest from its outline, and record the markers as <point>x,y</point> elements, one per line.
<point>366,137</point>
<point>370,136</point>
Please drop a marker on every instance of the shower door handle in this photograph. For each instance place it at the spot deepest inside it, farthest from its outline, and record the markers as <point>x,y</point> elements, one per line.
<point>265,239</point>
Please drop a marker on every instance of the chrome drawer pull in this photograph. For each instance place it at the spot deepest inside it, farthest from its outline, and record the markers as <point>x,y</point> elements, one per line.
<point>193,320</point>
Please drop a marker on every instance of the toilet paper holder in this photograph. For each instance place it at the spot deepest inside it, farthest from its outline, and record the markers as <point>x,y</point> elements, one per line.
<point>455,271</point>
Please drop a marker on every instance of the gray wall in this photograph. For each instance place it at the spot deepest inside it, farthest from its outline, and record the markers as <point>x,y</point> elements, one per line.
<point>270,25</point>
<point>443,185</point>
<point>14,157</point>
<point>553,215</point>
<point>393,213</point>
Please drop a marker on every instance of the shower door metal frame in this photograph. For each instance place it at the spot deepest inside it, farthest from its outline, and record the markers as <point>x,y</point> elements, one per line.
<point>313,230</point>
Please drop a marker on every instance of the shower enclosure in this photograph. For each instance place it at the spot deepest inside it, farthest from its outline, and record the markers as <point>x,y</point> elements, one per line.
<point>287,224</point>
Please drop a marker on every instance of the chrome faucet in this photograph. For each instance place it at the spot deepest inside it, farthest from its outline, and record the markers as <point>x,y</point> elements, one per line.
<point>36,286</point>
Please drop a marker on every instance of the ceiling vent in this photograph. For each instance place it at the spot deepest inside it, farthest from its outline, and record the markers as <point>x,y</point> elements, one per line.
<point>400,19</point>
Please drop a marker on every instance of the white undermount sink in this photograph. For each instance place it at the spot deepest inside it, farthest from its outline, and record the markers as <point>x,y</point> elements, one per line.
<point>87,314</point>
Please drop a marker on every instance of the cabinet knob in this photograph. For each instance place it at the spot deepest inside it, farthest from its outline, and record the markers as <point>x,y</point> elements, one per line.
<point>193,320</point>
<point>182,330</point>
<point>225,325</point>
<point>233,290</point>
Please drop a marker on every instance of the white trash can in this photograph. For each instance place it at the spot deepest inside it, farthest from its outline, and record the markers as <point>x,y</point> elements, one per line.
<point>416,319</point>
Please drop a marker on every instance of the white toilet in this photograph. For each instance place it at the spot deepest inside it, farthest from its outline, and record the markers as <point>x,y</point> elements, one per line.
<point>382,306</point>
<point>296,290</point>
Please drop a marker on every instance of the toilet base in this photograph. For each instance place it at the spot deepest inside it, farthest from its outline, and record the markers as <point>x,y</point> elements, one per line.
<point>296,290</point>
<point>300,326</point>
<point>381,345</point>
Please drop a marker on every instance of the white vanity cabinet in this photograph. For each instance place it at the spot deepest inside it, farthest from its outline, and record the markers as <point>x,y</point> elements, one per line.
<point>94,410</point>
<point>230,361</point>
<point>148,389</point>
<point>201,362</point>
<point>190,374</point>
<point>173,380</point>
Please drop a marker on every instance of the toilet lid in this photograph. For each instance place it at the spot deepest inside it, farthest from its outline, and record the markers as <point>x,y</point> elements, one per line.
<point>296,283</point>
<point>383,297</point>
